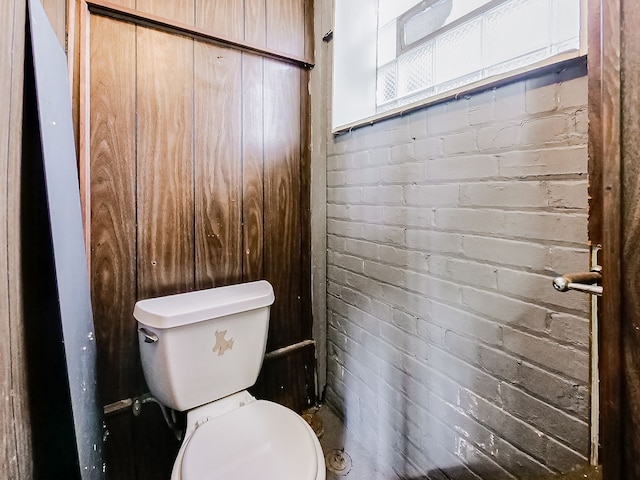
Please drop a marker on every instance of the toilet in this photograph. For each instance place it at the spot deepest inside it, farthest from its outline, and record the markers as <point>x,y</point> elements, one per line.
<point>200,351</point>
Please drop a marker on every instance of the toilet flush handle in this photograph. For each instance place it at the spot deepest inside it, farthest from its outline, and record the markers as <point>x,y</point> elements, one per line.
<point>149,337</point>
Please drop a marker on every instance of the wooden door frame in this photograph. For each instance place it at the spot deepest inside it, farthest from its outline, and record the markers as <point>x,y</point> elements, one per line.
<point>614,130</point>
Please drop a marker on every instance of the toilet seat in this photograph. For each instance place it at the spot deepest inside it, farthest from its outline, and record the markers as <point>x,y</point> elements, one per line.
<point>260,440</point>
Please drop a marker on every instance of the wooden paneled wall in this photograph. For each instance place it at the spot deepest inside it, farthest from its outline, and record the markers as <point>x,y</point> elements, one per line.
<point>57,13</point>
<point>198,177</point>
<point>15,426</point>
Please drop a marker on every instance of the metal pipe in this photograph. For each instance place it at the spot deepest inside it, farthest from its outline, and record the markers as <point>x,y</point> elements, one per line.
<point>117,407</point>
<point>284,351</point>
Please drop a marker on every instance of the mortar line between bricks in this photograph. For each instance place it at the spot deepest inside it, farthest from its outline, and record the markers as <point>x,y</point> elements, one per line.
<point>556,177</point>
<point>487,427</point>
<point>568,211</point>
<point>556,243</point>
<point>517,419</point>
<point>507,352</point>
<point>457,283</point>
<point>565,142</point>
<point>425,158</point>
<point>474,367</point>
<point>445,255</point>
<point>336,345</point>
<point>534,242</point>
<point>473,418</point>
<point>476,446</point>
<point>527,361</point>
<point>448,427</point>
<point>483,316</point>
<point>542,242</point>
<point>472,156</point>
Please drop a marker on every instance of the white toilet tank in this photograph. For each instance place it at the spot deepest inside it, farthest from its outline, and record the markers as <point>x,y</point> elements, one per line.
<point>210,343</point>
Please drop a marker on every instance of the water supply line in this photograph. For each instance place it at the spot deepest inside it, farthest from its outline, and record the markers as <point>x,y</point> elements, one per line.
<point>136,403</point>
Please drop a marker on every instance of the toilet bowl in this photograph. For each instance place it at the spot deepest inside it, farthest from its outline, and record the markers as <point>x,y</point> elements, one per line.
<point>200,351</point>
<point>254,439</point>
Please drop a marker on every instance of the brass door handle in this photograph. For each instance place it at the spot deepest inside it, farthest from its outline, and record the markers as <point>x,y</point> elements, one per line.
<point>588,282</point>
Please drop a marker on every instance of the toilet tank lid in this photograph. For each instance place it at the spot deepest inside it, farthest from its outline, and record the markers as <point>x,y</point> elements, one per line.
<point>184,308</point>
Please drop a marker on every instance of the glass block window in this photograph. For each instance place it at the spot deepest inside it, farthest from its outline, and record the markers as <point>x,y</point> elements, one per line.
<point>430,47</point>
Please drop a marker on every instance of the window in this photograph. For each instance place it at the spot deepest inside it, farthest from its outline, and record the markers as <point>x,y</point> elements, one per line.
<point>424,50</point>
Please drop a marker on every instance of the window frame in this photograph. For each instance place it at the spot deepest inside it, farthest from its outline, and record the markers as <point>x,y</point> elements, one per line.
<point>548,64</point>
<point>401,21</point>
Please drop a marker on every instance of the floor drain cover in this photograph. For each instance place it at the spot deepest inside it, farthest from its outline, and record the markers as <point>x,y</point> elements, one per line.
<point>338,462</point>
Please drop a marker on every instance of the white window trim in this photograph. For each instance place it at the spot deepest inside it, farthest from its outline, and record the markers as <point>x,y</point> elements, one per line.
<point>480,85</point>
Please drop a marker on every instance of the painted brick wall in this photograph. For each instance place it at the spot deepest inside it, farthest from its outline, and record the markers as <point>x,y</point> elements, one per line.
<point>448,349</point>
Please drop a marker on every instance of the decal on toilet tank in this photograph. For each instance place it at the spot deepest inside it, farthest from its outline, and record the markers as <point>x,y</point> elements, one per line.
<point>222,345</point>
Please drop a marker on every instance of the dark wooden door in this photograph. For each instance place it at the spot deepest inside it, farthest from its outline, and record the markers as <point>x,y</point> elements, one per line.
<point>614,104</point>
<point>198,176</point>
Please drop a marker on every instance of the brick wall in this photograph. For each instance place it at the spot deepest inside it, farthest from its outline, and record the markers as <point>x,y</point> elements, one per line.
<point>448,349</point>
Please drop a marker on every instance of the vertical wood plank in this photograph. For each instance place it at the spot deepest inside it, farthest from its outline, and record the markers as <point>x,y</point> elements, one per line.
<point>57,13</point>
<point>305,206</point>
<point>16,458</point>
<point>73,59</point>
<point>282,200</point>
<point>222,17</point>
<point>218,166</point>
<point>253,167</point>
<point>595,124</point>
<point>182,11</point>
<point>286,26</point>
<point>112,157</point>
<point>630,232</point>
<point>82,119</point>
<point>255,22</point>
<point>124,3</point>
<point>309,29</point>
<point>113,201</point>
<point>253,143</point>
<point>611,362</point>
<point>165,203</point>
<point>6,423</point>
<point>165,163</point>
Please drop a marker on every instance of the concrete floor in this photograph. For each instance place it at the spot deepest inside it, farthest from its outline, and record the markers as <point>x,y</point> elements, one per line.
<point>333,439</point>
